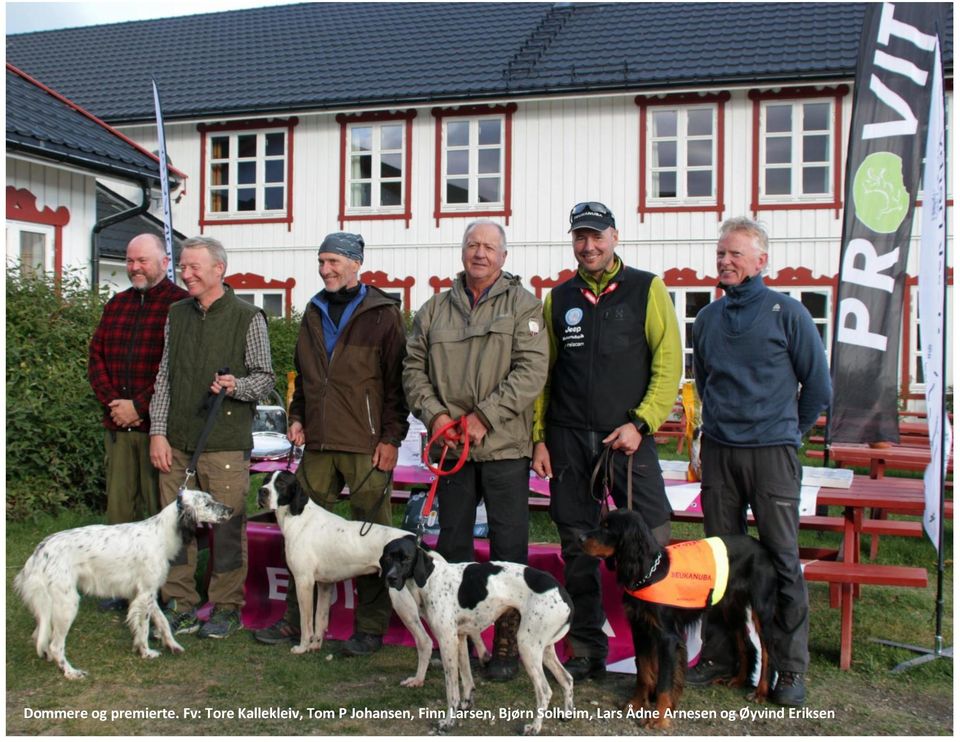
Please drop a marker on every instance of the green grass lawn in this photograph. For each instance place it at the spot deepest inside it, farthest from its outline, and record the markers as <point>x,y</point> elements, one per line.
<point>239,687</point>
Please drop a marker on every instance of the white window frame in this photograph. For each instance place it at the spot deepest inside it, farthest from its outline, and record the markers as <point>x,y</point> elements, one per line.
<point>233,160</point>
<point>256,297</point>
<point>376,179</point>
<point>679,297</point>
<point>14,231</point>
<point>682,167</point>
<point>473,175</point>
<point>796,164</point>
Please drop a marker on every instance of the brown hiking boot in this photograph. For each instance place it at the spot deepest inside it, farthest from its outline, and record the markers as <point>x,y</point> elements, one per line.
<point>503,666</point>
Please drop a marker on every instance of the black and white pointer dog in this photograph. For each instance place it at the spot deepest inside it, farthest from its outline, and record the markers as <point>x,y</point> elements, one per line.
<point>322,548</point>
<point>461,600</point>
<point>128,560</point>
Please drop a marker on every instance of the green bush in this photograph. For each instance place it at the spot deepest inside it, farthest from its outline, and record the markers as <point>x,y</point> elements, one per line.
<point>54,440</point>
<point>283,342</point>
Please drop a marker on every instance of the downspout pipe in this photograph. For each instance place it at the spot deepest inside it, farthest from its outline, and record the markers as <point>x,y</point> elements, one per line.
<point>109,221</point>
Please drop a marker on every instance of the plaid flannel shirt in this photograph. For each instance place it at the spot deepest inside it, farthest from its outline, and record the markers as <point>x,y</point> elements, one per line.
<point>126,347</point>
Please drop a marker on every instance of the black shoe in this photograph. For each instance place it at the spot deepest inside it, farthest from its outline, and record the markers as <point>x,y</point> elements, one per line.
<point>789,690</point>
<point>501,669</point>
<point>362,644</point>
<point>706,672</point>
<point>282,631</point>
<point>120,605</point>
<point>586,668</point>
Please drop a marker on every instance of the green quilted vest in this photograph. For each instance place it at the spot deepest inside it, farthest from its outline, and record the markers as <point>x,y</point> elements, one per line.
<point>200,344</point>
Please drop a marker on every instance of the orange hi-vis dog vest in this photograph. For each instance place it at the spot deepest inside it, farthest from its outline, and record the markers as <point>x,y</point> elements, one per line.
<point>697,577</point>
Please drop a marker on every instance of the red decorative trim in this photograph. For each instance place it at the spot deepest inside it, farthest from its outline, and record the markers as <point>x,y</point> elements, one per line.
<point>254,281</point>
<point>83,112</point>
<point>439,284</point>
<point>22,207</point>
<point>479,110</point>
<point>687,277</point>
<point>540,283</point>
<point>204,129</point>
<point>354,118</point>
<point>800,277</point>
<point>757,96</point>
<point>382,281</point>
<point>680,99</point>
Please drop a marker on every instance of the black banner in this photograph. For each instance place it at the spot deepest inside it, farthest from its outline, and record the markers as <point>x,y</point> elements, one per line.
<point>887,135</point>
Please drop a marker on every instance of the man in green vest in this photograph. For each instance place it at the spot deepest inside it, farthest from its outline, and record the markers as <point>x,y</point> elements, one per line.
<point>209,331</point>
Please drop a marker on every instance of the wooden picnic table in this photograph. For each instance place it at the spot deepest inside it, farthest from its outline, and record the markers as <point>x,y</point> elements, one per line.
<point>877,460</point>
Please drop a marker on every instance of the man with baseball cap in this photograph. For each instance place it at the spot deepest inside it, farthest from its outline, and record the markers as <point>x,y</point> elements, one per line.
<point>615,363</point>
<point>349,412</point>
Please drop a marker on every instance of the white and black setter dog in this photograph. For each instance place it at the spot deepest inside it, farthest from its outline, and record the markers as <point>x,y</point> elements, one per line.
<point>664,594</point>
<point>128,560</point>
<point>461,600</point>
<point>322,548</point>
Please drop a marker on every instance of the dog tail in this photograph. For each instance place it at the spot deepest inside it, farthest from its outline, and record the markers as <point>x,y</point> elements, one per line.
<point>33,592</point>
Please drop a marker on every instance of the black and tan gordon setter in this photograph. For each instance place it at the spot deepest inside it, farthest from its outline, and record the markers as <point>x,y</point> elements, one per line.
<point>667,589</point>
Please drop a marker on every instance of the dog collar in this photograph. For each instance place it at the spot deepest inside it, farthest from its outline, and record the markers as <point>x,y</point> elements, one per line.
<point>643,580</point>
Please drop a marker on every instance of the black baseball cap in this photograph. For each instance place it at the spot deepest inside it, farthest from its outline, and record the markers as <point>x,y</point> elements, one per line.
<point>591,215</point>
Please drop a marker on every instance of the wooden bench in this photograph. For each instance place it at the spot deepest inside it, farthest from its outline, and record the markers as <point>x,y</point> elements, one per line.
<point>911,458</point>
<point>846,576</point>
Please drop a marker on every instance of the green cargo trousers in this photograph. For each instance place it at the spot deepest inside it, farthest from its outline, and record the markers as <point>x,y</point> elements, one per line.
<point>132,482</point>
<point>226,476</point>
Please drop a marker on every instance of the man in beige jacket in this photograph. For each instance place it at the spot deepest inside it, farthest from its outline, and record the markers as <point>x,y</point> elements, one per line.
<point>478,351</point>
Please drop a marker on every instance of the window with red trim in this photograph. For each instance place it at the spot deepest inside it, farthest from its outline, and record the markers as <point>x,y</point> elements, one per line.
<point>681,152</point>
<point>375,165</point>
<point>247,172</point>
<point>473,153</point>
<point>796,148</point>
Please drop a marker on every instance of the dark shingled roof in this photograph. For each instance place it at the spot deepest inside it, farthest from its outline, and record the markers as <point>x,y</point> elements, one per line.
<point>337,55</point>
<point>114,239</point>
<point>41,123</point>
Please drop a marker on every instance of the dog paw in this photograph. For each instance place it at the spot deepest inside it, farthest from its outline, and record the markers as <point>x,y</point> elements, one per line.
<point>466,704</point>
<point>532,729</point>
<point>445,725</point>
<point>149,654</point>
<point>300,649</point>
<point>657,723</point>
<point>756,697</point>
<point>176,648</point>
<point>73,673</point>
<point>413,682</point>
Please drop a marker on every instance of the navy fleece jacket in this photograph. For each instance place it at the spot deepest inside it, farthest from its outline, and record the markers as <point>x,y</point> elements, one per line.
<point>760,367</point>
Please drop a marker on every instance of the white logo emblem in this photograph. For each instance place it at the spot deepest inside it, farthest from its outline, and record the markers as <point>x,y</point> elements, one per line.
<point>573,316</point>
<point>534,327</point>
<point>776,307</point>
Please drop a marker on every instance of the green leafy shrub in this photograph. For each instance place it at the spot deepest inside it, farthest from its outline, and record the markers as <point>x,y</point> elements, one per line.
<point>283,342</point>
<point>54,440</point>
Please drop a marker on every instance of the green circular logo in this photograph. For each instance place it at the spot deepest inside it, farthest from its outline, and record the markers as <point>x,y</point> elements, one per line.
<point>880,199</point>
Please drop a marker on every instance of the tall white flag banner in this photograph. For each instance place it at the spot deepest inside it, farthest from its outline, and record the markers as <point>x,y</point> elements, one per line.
<point>932,307</point>
<point>164,182</point>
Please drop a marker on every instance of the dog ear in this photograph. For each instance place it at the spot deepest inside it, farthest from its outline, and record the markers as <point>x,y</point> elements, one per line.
<point>422,566</point>
<point>630,546</point>
<point>187,522</point>
<point>298,498</point>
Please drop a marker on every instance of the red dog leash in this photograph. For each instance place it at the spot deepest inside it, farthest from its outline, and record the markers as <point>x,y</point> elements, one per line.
<point>438,470</point>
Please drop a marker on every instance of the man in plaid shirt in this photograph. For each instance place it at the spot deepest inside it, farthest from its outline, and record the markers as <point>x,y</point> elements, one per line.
<point>124,357</point>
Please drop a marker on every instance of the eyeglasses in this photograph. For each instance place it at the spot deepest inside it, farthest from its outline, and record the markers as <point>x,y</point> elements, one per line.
<point>586,206</point>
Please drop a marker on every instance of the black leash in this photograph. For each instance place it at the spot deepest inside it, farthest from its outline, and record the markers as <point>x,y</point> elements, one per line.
<point>367,524</point>
<point>605,471</point>
<point>213,404</point>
